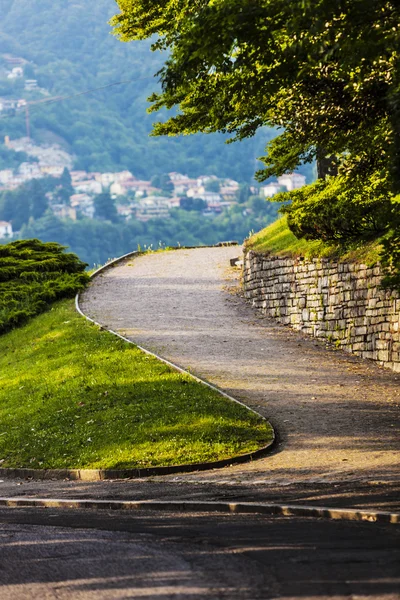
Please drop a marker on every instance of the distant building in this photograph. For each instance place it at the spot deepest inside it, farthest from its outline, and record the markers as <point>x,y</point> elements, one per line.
<point>5,229</point>
<point>174,202</point>
<point>116,189</point>
<point>79,176</point>
<point>203,179</point>
<point>106,179</point>
<point>88,187</point>
<point>64,212</point>
<point>30,170</point>
<point>271,189</point>
<point>6,176</point>
<point>228,192</point>
<point>13,60</point>
<point>16,73</point>
<point>292,181</point>
<point>7,105</point>
<point>196,192</point>
<point>31,84</point>
<point>153,208</point>
<point>200,192</point>
<point>125,211</point>
<point>182,183</point>
<point>83,203</point>
<point>52,171</point>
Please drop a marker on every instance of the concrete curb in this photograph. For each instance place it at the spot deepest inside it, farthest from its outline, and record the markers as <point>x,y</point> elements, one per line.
<point>103,474</point>
<point>282,510</point>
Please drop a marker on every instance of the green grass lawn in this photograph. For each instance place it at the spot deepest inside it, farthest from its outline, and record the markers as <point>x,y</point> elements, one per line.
<point>72,396</point>
<point>278,239</point>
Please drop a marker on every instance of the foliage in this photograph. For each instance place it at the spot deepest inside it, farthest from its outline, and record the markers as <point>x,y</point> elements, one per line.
<point>327,72</point>
<point>30,199</point>
<point>213,185</point>
<point>193,204</point>
<point>108,405</point>
<point>391,249</point>
<point>164,183</point>
<point>32,276</point>
<point>105,207</point>
<point>10,159</point>
<point>334,211</point>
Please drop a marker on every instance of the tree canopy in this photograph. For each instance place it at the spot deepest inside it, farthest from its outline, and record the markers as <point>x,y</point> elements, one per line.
<point>326,72</point>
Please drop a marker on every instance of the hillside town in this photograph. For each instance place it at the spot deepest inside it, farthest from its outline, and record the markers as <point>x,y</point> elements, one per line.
<point>134,198</point>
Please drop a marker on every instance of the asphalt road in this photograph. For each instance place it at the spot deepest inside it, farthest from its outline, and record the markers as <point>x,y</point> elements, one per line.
<point>85,555</point>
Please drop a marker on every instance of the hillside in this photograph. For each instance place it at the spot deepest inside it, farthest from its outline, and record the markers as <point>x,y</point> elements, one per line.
<point>69,46</point>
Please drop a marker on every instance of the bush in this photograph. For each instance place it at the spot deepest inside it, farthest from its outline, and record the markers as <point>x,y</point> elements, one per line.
<point>349,212</point>
<point>34,274</point>
<point>333,211</point>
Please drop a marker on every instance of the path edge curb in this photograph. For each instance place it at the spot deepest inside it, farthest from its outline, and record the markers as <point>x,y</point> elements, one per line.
<point>282,510</point>
<point>107,474</point>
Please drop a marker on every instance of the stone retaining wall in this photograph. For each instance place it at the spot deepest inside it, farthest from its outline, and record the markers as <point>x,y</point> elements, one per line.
<point>341,302</point>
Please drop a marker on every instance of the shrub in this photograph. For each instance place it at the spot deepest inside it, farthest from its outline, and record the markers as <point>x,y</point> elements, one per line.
<point>348,212</point>
<point>34,274</point>
<point>333,211</point>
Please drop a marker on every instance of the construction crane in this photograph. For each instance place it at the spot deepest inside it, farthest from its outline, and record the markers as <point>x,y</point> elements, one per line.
<point>34,103</point>
<point>26,106</point>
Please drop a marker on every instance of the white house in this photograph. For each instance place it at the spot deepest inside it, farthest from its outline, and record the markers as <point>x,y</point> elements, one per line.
<point>31,84</point>
<point>271,189</point>
<point>84,204</point>
<point>203,179</point>
<point>30,170</point>
<point>292,181</point>
<point>88,187</point>
<point>16,73</point>
<point>6,175</point>
<point>116,189</point>
<point>5,229</point>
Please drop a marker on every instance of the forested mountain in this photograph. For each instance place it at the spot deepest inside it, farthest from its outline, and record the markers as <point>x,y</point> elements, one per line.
<point>70,48</point>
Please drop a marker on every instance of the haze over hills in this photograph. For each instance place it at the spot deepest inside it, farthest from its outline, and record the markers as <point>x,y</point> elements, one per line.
<point>69,46</point>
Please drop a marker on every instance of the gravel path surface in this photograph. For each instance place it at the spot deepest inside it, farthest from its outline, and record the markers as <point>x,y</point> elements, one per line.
<point>337,416</point>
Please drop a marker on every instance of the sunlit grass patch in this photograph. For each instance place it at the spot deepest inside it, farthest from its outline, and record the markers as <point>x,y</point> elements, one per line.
<point>278,239</point>
<point>72,396</point>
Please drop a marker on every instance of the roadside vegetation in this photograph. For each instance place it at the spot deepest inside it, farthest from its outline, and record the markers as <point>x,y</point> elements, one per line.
<point>278,239</point>
<point>72,396</point>
<point>32,276</point>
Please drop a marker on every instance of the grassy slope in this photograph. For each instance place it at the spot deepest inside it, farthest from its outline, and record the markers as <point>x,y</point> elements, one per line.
<point>278,239</point>
<point>72,396</point>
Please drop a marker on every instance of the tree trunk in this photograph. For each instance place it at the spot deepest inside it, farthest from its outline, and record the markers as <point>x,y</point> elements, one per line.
<point>326,165</point>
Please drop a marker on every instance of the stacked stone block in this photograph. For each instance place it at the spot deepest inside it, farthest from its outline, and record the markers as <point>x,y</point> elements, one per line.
<point>341,302</point>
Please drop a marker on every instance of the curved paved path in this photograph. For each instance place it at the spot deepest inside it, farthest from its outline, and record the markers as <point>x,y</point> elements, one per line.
<point>337,416</point>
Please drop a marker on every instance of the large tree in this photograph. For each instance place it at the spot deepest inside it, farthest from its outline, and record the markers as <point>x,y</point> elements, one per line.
<point>326,72</point>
